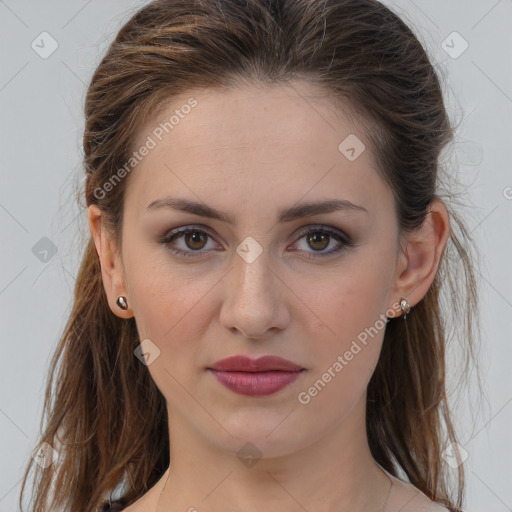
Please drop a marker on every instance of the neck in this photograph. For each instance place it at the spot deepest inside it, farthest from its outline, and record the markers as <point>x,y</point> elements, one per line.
<point>334,473</point>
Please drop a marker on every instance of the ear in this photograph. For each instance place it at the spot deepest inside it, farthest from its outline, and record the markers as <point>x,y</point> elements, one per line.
<point>112,271</point>
<point>420,255</point>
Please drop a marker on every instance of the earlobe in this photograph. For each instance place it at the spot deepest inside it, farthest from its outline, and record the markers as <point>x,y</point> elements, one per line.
<point>111,268</point>
<point>422,253</point>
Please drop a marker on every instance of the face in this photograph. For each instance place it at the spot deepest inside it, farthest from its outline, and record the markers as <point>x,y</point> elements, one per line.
<point>311,289</point>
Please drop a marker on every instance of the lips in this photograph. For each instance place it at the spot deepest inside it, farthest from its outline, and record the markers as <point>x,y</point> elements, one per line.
<point>262,364</point>
<point>255,377</point>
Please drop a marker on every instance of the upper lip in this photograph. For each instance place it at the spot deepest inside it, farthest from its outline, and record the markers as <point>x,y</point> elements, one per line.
<point>262,364</point>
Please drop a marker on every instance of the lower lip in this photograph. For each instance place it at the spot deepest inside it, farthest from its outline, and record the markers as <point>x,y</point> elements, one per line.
<point>256,383</point>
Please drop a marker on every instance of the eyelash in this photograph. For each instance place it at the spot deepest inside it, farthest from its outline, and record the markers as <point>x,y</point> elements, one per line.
<point>344,240</point>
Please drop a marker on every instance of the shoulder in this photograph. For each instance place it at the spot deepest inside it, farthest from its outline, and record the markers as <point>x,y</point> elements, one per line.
<point>427,506</point>
<point>408,498</point>
<point>413,500</point>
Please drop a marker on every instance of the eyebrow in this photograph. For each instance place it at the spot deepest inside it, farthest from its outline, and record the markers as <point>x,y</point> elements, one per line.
<point>285,215</point>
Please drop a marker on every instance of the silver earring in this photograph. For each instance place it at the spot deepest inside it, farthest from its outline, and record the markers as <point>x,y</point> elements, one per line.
<point>405,307</point>
<point>121,302</point>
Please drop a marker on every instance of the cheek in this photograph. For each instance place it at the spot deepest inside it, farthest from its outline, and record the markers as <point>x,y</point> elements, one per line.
<point>349,324</point>
<point>344,360</point>
<point>159,293</point>
<point>353,329</point>
<point>164,307</point>
<point>352,299</point>
<point>172,309</point>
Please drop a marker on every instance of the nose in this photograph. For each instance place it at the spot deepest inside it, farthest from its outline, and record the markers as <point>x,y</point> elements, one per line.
<point>254,299</point>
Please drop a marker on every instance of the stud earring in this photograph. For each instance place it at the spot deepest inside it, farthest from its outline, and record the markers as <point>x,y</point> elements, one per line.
<point>405,307</point>
<point>121,302</point>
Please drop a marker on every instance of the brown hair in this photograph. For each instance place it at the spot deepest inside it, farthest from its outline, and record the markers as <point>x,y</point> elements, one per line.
<point>106,417</point>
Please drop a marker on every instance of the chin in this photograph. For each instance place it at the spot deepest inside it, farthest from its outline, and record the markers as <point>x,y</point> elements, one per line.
<point>263,435</point>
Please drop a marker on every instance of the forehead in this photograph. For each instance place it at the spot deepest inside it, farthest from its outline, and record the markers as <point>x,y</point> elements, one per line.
<point>277,143</point>
<point>297,110</point>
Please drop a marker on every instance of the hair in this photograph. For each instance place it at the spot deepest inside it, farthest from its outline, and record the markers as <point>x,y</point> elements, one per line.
<point>106,417</point>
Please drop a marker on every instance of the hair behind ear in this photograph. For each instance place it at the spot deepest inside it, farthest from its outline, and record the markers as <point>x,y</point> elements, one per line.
<point>109,409</point>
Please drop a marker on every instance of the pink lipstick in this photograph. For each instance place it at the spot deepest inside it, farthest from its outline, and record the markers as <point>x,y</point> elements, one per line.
<point>255,377</point>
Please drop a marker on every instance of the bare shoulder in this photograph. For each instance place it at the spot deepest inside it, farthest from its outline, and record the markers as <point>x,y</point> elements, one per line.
<point>405,497</point>
<point>423,504</point>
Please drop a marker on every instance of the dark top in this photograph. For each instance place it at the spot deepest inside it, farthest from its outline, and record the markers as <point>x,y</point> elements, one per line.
<point>115,506</point>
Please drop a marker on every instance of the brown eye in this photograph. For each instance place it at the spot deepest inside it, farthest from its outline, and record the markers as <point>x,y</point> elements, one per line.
<point>195,240</point>
<point>318,241</point>
<point>315,242</point>
<point>187,242</point>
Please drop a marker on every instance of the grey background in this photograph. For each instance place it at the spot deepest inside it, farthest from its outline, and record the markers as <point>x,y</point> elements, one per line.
<point>41,125</point>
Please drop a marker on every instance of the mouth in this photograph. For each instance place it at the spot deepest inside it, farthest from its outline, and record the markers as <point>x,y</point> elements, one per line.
<point>255,377</point>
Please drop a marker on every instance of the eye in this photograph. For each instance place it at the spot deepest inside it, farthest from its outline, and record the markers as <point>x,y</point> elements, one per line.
<point>319,238</point>
<point>194,240</point>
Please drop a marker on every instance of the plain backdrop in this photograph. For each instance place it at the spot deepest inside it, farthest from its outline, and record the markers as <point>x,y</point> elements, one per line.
<point>42,89</point>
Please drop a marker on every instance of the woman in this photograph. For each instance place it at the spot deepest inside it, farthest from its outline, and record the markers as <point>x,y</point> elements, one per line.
<point>257,322</point>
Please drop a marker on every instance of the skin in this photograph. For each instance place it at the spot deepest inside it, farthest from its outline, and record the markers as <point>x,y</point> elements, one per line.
<point>251,151</point>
